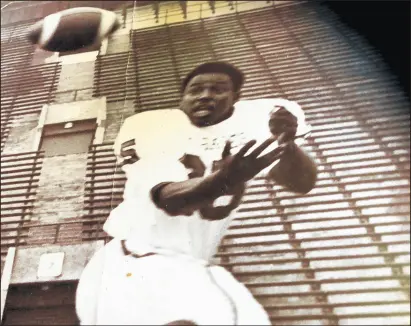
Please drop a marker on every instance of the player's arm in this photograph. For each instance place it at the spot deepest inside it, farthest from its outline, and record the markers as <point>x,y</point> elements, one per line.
<point>296,170</point>
<point>178,198</point>
<point>185,197</point>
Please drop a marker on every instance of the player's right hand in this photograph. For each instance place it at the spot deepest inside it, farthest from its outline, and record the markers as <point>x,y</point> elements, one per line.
<point>240,168</point>
<point>283,125</point>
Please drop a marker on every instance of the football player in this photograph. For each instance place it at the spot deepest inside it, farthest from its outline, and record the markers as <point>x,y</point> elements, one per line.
<point>187,171</point>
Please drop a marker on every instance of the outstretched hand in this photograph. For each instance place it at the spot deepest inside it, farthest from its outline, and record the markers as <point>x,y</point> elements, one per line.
<point>240,168</point>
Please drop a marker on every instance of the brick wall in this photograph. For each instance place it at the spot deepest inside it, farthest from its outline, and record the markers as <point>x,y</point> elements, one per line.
<point>72,111</point>
<point>73,95</point>
<point>61,185</point>
<point>116,112</point>
<point>118,43</point>
<point>59,197</point>
<point>21,134</point>
<point>73,77</point>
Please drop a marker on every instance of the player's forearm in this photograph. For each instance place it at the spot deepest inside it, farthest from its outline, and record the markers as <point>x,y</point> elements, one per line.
<point>296,170</point>
<point>178,198</point>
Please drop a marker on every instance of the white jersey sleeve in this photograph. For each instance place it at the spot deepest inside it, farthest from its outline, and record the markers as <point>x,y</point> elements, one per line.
<point>136,214</point>
<point>151,134</point>
<point>149,146</point>
<point>261,110</point>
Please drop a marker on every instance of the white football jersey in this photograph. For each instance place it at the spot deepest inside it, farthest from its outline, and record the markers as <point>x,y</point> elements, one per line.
<point>152,145</point>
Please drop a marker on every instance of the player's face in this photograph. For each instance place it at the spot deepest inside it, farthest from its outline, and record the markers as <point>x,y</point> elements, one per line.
<point>208,98</point>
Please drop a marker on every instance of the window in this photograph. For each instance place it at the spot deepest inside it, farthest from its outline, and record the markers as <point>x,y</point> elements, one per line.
<point>68,138</point>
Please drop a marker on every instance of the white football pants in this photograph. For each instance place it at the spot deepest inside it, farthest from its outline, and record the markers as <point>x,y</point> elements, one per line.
<point>119,289</point>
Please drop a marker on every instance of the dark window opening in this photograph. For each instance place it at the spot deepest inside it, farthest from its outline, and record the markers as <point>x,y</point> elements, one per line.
<point>73,137</point>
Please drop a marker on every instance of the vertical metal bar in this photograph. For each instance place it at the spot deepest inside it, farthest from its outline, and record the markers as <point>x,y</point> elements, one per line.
<point>6,278</point>
<point>156,7</point>
<point>11,107</point>
<point>134,48</point>
<point>173,57</point>
<point>97,73</point>
<point>25,211</point>
<point>57,233</point>
<point>211,4</point>
<point>92,184</point>
<point>8,119</point>
<point>124,13</point>
<point>183,5</point>
<point>51,90</point>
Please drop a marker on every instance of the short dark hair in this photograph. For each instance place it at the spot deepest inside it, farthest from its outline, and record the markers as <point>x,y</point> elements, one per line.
<point>236,75</point>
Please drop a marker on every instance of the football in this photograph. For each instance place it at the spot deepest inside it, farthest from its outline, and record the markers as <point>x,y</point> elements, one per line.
<point>73,29</point>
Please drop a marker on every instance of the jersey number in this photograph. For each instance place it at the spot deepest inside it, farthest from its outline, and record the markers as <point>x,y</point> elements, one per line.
<point>198,168</point>
<point>129,154</point>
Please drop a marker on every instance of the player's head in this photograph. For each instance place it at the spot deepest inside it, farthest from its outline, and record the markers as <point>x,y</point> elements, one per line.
<point>210,91</point>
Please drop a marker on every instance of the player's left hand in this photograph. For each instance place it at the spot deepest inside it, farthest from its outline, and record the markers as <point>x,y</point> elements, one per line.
<point>283,125</point>
<point>212,213</point>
